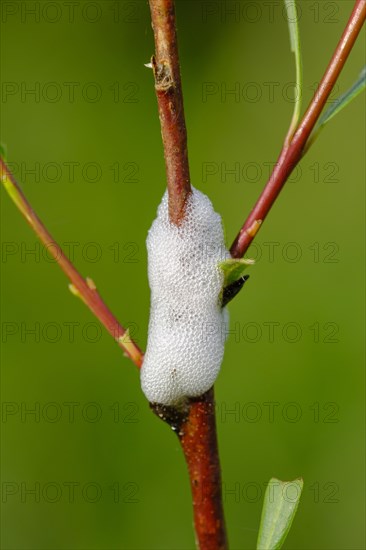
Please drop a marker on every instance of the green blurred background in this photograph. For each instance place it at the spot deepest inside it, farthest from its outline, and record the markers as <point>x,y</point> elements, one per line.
<point>106,473</point>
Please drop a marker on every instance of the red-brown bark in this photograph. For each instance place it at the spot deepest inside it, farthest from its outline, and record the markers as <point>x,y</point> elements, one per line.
<point>165,64</point>
<point>291,155</point>
<point>85,289</point>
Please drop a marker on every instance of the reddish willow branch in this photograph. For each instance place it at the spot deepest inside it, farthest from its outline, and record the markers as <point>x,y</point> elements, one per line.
<point>168,89</point>
<point>196,427</point>
<point>83,288</point>
<point>199,443</point>
<point>292,154</point>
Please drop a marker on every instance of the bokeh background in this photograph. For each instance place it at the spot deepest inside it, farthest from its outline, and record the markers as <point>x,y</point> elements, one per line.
<point>106,473</point>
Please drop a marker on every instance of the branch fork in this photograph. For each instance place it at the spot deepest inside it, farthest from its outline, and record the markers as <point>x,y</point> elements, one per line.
<point>194,423</point>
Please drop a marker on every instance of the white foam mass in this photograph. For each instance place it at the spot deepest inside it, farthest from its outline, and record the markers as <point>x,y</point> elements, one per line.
<point>187,327</point>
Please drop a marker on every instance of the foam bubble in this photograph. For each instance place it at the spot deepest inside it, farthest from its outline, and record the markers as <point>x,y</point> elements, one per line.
<point>187,326</point>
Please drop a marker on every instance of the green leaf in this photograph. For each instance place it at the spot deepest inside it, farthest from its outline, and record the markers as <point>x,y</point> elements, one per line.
<point>234,269</point>
<point>340,103</point>
<point>293,26</point>
<point>281,500</point>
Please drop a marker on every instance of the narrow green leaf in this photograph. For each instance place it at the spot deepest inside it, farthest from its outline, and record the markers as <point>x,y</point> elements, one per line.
<point>234,269</point>
<point>340,103</point>
<point>293,26</point>
<point>281,500</point>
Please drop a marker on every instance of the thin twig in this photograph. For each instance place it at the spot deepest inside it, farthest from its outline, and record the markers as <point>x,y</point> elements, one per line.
<point>168,88</point>
<point>291,155</point>
<point>83,288</point>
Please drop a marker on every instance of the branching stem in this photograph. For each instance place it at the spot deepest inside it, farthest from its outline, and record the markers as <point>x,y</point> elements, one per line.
<point>195,427</point>
<point>291,154</point>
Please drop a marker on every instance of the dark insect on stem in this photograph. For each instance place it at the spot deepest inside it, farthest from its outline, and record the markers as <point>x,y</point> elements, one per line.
<point>232,290</point>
